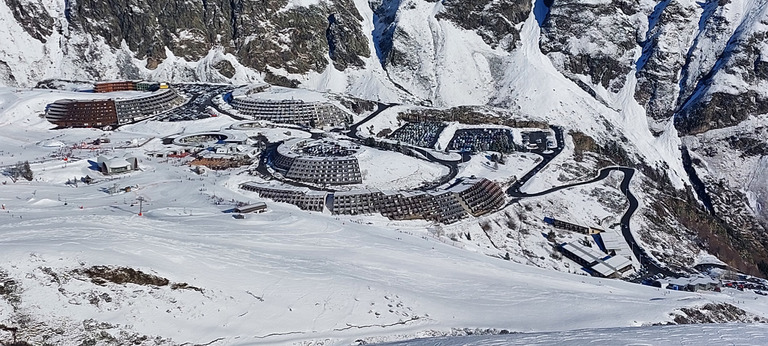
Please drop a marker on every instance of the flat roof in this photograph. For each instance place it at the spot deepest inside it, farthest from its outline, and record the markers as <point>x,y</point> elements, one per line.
<point>254,204</point>
<point>356,192</point>
<point>251,207</point>
<point>613,241</point>
<point>412,193</point>
<point>586,253</point>
<point>277,186</point>
<point>612,265</point>
<point>465,184</point>
<point>277,94</point>
<point>287,149</point>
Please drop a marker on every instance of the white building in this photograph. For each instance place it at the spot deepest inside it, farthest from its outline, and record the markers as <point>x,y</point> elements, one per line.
<point>616,244</point>
<point>117,165</point>
<point>596,261</point>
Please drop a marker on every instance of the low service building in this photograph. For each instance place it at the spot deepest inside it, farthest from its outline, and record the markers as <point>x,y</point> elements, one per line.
<point>117,165</point>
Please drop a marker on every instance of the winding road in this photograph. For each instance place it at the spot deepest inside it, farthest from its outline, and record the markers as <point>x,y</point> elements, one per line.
<point>380,107</point>
<point>651,266</point>
<point>547,157</point>
<point>452,165</point>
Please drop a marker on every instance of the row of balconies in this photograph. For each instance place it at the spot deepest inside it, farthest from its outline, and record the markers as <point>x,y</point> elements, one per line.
<point>318,164</point>
<point>297,198</point>
<point>296,112</point>
<point>275,102</point>
<point>276,111</point>
<point>311,170</point>
<point>273,107</point>
<point>322,174</point>
<point>446,207</point>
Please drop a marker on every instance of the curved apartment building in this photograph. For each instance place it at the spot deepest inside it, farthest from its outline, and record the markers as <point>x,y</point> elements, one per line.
<point>105,87</point>
<point>82,113</point>
<point>253,104</point>
<point>140,108</point>
<point>304,198</point>
<point>318,161</point>
<point>469,196</point>
<point>98,113</point>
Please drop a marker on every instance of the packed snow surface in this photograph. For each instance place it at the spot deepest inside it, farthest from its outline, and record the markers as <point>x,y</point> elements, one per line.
<point>284,276</point>
<point>711,334</point>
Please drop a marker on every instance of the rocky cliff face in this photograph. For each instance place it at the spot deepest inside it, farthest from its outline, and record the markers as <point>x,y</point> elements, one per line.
<point>497,22</point>
<point>671,29</point>
<point>33,17</point>
<point>704,62</point>
<point>429,48</point>
<point>724,81</point>
<point>593,40</point>
<point>698,65</point>
<point>260,34</point>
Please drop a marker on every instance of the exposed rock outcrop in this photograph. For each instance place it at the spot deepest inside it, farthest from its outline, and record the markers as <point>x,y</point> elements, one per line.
<point>260,34</point>
<point>596,40</point>
<point>495,21</point>
<point>724,80</point>
<point>33,17</point>
<point>672,26</point>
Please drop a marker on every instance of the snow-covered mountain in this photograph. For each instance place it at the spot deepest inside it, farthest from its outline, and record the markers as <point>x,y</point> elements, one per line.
<point>647,77</point>
<point>676,88</point>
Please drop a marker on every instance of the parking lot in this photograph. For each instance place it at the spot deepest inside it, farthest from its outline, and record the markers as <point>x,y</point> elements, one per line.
<point>475,140</point>
<point>422,134</point>
<point>199,99</point>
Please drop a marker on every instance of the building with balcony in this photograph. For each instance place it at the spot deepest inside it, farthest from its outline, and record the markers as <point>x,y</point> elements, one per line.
<point>110,112</point>
<point>82,113</point>
<point>255,103</point>
<point>324,162</point>
<point>141,108</point>
<point>111,86</point>
<point>303,198</point>
<point>471,196</point>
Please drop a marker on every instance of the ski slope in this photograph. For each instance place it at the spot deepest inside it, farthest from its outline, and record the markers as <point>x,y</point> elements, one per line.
<point>728,334</point>
<point>282,277</point>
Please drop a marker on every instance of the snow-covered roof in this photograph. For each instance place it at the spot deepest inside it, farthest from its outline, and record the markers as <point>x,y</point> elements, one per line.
<point>588,254</point>
<point>290,148</point>
<point>703,280</point>
<point>613,241</point>
<point>357,192</point>
<point>708,259</point>
<point>277,94</point>
<point>118,163</point>
<point>115,162</point>
<point>465,184</point>
<point>278,186</point>
<point>611,266</point>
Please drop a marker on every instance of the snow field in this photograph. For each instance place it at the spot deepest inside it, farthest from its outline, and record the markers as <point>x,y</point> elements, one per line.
<point>286,275</point>
<point>387,170</point>
<point>742,334</point>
